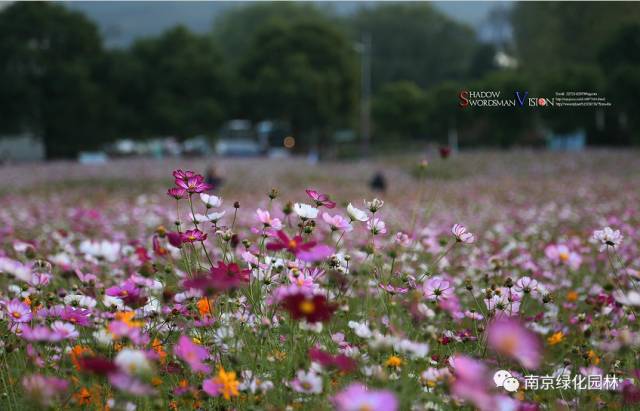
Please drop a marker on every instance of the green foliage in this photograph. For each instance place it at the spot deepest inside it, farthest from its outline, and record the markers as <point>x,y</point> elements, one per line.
<point>48,76</point>
<point>414,42</point>
<point>236,29</point>
<point>302,72</point>
<point>176,84</point>
<point>399,110</point>
<point>551,34</point>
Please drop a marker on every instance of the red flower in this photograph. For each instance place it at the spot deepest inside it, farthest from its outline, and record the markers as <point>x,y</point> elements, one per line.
<point>175,239</point>
<point>312,308</point>
<point>320,199</point>
<point>445,152</point>
<point>97,365</point>
<point>340,361</point>
<point>220,278</point>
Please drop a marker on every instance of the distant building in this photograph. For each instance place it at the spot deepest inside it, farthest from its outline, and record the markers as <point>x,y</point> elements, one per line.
<point>21,148</point>
<point>567,142</point>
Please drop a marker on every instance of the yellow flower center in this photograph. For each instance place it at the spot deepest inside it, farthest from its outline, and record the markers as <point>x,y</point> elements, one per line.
<point>307,307</point>
<point>293,243</point>
<point>564,256</point>
<point>508,344</point>
<point>16,314</point>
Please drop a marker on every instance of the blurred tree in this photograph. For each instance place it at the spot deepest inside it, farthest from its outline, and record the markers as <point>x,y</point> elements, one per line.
<point>236,28</point>
<point>415,42</point>
<point>304,73</point>
<point>501,126</point>
<point>575,78</point>
<point>399,111</point>
<point>551,34</point>
<point>174,84</point>
<point>48,86</point>
<point>620,59</point>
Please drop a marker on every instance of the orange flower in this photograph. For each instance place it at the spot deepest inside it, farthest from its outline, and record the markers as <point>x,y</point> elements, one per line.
<point>205,306</point>
<point>82,397</point>
<point>556,338</point>
<point>224,384</point>
<point>393,361</point>
<point>127,318</point>
<point>156,345</point>
<point>78,352</point>
<point>572,296</point>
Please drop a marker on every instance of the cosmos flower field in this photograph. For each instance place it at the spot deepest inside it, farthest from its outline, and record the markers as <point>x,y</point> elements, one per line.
<point>490,281</point>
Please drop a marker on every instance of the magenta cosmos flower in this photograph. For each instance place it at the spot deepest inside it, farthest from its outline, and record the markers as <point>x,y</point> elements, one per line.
<point>19,312</point>
<point>221,278</point>
<point>309,251</point>
<point>320,199</point>
<point>511,338</point>
<point>357,397</point>
<point>194,235</point>
<point>190,181</point>
<point>193,354</point>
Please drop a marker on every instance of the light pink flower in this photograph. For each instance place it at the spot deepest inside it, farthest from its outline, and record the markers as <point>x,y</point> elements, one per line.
<point>358,397</point>
<point>337,222</point>
<point>509,337</point>
<point>461,234</point>
<point>265,218</point>
<point>436,288</point>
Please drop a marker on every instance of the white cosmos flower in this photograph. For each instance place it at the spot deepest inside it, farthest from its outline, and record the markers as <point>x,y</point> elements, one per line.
<point>213,217</point>
<point>133,361</point>
<point>362,330</point>
<point>81,300</point>
<point>356,213</point>
<point>607,237</point>
<point>210,200</point>
<point>305,210</point>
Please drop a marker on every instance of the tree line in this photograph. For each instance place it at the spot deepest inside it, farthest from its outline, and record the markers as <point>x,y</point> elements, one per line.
<point>297,63</point>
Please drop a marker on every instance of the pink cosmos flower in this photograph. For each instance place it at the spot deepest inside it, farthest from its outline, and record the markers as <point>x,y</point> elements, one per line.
<point>130,384</point>
<point>436,288</point>
<point>307,382</point>
<point>337,222</point>
<point>376,226</point>
<point>177,193</point>
<point>358,397</point>
<point>526,285</point>
<point>320,199</point>
<point>509,337</point>
<point>43,389</point>
<point>560,254</point>
<point>65,331</point>
<point>19,312</point>
<point>461,234</point>
<point>340,361</point>
<point>309,251</point>
<point>265,218</point>
<point>193,354</point>
<point>471,382</point>
<point>194,235</point>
